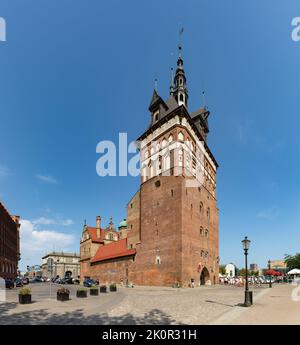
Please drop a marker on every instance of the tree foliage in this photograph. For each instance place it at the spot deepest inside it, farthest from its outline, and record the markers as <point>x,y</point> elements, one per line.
<point>222,269</point>
<point>292,261</point>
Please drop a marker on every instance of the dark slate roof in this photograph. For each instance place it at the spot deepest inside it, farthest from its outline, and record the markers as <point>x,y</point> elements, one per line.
<point>200,111</point>
<point>156,100</point>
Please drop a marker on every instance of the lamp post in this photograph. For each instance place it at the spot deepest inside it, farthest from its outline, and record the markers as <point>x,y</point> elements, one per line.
<point>270,281</point>
<point>248,294</point>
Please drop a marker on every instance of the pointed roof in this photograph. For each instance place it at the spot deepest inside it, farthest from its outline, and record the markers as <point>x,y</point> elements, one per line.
<point>156,100</point>
<point>171,103</point>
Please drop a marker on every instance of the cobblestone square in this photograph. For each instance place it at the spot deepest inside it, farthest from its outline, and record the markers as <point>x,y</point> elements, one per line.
<point>143,305</point>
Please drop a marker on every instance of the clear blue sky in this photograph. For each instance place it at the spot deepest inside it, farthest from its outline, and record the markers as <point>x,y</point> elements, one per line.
<point>73,73</point>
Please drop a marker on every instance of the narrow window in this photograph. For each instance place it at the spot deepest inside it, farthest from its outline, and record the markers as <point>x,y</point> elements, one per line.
<point>208,213</point>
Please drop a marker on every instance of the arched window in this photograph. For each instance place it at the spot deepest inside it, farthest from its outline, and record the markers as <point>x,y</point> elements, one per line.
<point>164,143</point>
<point>180,136</point>
<point>144,173</point>
<point>201,207</point>
<point>206,233</point>
<point>152,151</point>
<point>150,167</point>
<point>170,138</point>
<point>201,231</point>
<point>180,157</point>
<point>208,213</point>
<point>167,162</point>
<point>181,97</point>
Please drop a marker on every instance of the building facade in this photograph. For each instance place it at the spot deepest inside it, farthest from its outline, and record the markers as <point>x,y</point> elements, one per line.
<point>61,264</point>
<point>254,267</point>
<point>278,265</point>
<point>230,270</point>
<point>9,244</point>
<point>171,233</point>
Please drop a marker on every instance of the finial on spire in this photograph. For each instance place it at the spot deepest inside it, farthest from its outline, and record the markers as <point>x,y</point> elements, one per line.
<point>172,82</point>
<point>179,51</point>
<point>203,99</point>
<point>155,84</point>
<point>84,222</point>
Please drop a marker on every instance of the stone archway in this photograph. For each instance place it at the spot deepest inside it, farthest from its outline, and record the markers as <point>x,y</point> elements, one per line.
<point>204,276</point>
<point>68,274</point>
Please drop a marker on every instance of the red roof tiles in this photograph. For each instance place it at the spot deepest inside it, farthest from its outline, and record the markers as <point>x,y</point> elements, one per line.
<point>93,234</point>
<point>113,250</point>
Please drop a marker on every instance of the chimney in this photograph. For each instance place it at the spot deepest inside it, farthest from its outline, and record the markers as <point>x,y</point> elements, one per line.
<point>98,226</point>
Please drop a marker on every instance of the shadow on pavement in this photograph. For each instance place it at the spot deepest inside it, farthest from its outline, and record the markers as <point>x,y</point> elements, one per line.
<point>227,305</point>
<point>77,317</point>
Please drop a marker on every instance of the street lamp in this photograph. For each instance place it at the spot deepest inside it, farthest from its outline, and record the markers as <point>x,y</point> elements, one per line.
<point>248,294</point>
<point>270,281</point>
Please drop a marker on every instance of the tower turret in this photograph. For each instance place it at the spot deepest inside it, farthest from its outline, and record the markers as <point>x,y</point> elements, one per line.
<point>180,87</point>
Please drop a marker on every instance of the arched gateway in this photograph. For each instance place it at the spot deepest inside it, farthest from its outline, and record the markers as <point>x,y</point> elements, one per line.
<point>204,276</point>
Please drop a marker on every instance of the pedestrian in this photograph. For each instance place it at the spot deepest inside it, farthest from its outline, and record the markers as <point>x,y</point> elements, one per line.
<point>192,282</point>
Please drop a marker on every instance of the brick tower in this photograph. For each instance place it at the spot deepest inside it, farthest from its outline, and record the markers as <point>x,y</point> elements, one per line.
<point>171,232</point>
<point>176,216</point>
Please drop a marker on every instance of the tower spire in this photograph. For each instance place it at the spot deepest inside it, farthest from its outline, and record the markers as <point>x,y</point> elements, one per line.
<point>180,89</point>
<point>172,82</point>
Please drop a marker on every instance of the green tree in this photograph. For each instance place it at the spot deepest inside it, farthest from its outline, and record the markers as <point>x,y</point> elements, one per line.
<point>222,269</point>
<point>292,261</point>
<point>242,272</point>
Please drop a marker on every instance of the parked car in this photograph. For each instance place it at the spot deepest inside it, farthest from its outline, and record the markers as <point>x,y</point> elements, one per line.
<point>67,280</point>
<point>35,280</point>
<point>9,283</point>
<point>25,280</point>
<point>76,281</point>
<point>59,281</point>
<point>267,279</point>
<point>18,282</point>
<point>89,282</point>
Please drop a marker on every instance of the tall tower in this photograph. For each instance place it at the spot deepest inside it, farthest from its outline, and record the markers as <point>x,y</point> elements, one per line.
<point>174,225</point>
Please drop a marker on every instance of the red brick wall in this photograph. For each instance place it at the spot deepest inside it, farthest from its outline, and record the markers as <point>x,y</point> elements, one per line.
<point>112,271</point>
<point>192,241</point>
<point>160,233</point>
<point>9,251</point>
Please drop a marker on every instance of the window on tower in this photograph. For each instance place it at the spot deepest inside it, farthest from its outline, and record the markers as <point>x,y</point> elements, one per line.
<point>208,213</point>
<point>180,136</point>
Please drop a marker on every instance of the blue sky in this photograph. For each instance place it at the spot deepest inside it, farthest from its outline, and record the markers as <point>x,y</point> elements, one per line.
<point>73,73</point>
